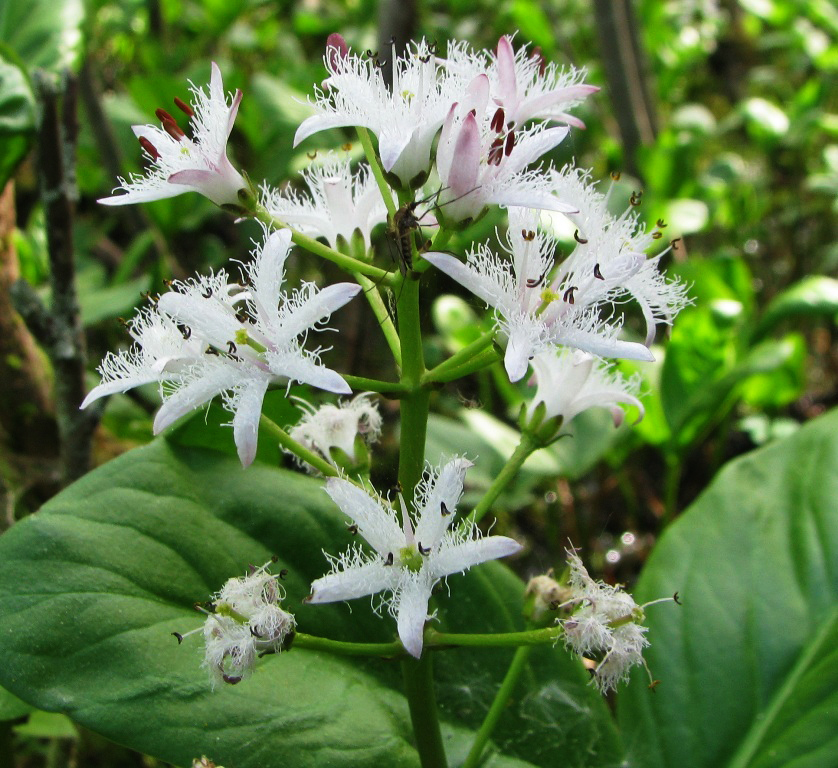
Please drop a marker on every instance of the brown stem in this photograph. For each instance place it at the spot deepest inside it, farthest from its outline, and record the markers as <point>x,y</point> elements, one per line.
<point>626,74</point>
<point>66,347</point>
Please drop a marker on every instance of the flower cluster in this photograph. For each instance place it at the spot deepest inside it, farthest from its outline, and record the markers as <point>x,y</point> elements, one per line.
<point>338,428</point>
<point>244,621</point>
<point>607,623</point>
<point>209,336</point>
<point>410,557</point>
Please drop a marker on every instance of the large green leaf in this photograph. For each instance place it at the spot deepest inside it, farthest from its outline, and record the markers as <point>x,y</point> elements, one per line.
<point>45,33</point>
<point>749,664</point>
<point>92,586</point>
<point>17,113</point>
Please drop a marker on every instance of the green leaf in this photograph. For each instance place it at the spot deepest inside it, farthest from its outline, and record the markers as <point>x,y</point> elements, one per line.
<point>46,34</point>
<point>92,586</point>
<point>17,113</point>
<point>811,297</point>
<point>11,707</point>
<point>749,664</point>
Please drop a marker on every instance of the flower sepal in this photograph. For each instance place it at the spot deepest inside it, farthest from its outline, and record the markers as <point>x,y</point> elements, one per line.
<point>542,429</point>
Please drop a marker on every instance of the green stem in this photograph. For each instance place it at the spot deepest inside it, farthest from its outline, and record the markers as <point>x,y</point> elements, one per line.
<point>464,355</point>
<point>527,446</point>
<point>440,239</point>
<point>385,322</point>
<point>421,697</point>
<point>481,361</point>
<point>314,643</point>
<point>531,637</point>
<point>346,263</point>
<point>374,385</point>
<point>519,661</point>
<point>286,441</point>
<point>377,172</point>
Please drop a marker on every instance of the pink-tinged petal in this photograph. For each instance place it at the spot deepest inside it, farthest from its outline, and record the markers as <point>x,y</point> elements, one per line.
<point>193,177</point>
<point>376,523</point>
<point>356,581</point>
<point>445,150</point>
<point>507,81</point>
<point>413,611</point>
<point>482,287</point>
<point>477,95</point>
<point>462,556</point>
<point>234,110</point>
<point>465,162</point>
<point>539,104</point>
<point>246,419</point>
<point>161,192</point>
<point>216,84</point>
<point>317,123</point>
<point>390,148</point>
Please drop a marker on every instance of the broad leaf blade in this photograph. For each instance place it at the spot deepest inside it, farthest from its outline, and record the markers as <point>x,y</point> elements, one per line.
<point>92,586</point>
<point>748,663</point>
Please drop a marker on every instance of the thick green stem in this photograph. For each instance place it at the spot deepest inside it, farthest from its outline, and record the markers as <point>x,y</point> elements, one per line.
<point>375,167</point>
<point>482,360</point>
<point>358,383</point>
<point>346,263</point>
<point>458,359</point>
<point>527,446</point>
<point>286,441</point>
<point>385,322</point>
<point>549,635</point>
<point>424,714</point>
<point>339,648</point>
<point>502,697</point>
<point>439,241</point>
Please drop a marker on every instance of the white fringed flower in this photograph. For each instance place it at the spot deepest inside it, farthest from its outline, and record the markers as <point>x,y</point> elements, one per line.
<point>180,164</point>
<point>408,559</point>
<point>540,303</point>
<point>607,624</point>
<point>246,621</point>
<point>235,341</point>
<point>569,382</point>
<point>337,426</point>
<point>523,86</point>
<point>339,202</point>
<point>405,119</point>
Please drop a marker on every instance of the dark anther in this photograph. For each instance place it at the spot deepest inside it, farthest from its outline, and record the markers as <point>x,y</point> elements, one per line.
<point>443,510</point>
<point>510,143</point>
<point>212,351</point>
<point>389,560</point>
<point>173,129</point>
<point>657,235</point>
<point>123,322</point>
<point>183,107</point>
<point>568,294</point>
<point>241,315</point>
<point>391,42</point>
<point>661,223</point>
<point>231,347</point>
<point>677,598</point>
<point>498,120</point>
<point>149,147</point>
<point>283,574</point>
<point>554,605</point>
<point>597,273</point>
<point>496,152</point>
<point>185,331</point>
<point>353,529</point>
<point>178,636</point>
<point>424,551</point>
<point>635,198</point>
<point>168,283</point>
<point>578,238</point>
<point>231,679</point>
<point>528,235</point>
<point>148,296</point>
<point>274,558</point>
<point>253,632</point>
<point>653,685</point>
<point>397,487</point>
<point>541,279</point>
<point>615,175</point>
<point>163,116</point>
<point>207,294</point>
<point>538,56</point>
<point>674,242</point>
<point>311,155</point>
